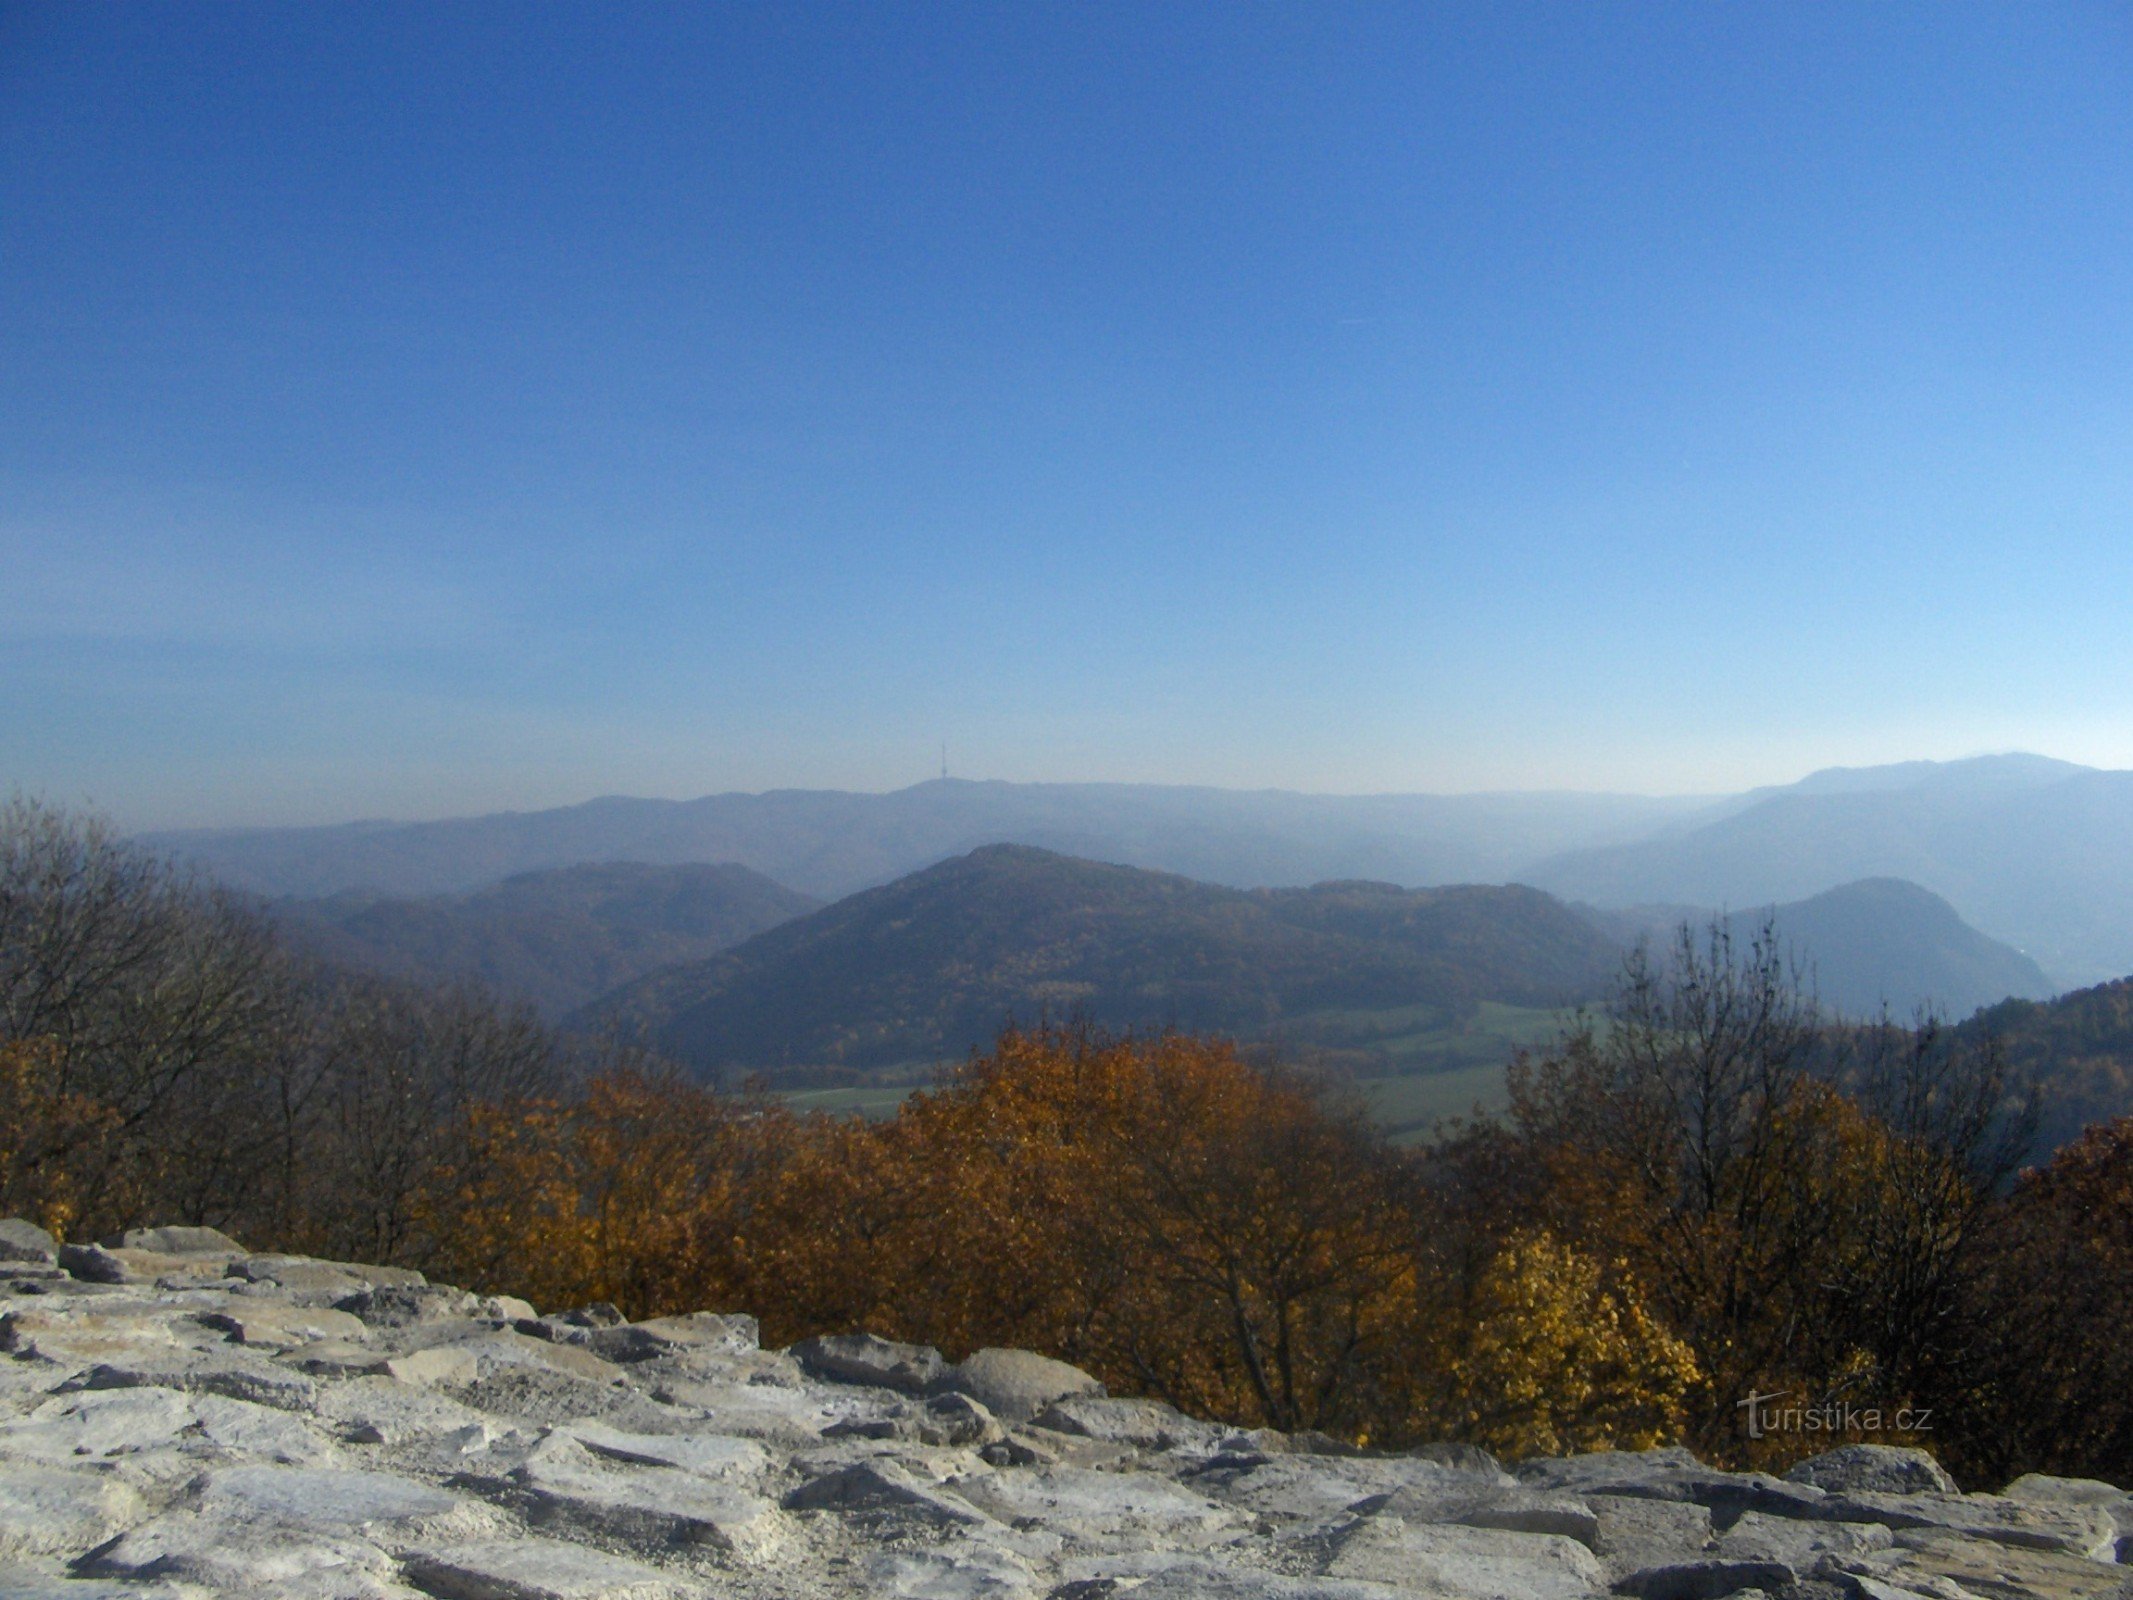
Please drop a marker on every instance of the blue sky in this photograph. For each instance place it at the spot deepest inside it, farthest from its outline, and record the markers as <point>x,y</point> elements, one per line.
<point>409,410</point>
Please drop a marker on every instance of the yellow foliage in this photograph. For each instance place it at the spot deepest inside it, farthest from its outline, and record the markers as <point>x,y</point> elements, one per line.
<point>1554,1362</point>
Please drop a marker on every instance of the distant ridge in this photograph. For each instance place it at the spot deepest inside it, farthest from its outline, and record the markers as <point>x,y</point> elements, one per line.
<point>1878,942</point>
<point>829,842</point>
<point>552,939</point>
<point>2033,852</point>
<point>927,967</point>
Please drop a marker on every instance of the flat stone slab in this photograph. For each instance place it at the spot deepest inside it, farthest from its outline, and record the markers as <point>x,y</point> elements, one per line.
<point>281,1325</point>
<point>100,1424</point>
<point>1993,1571</point>
<point>708,1455</point>
<point>885,1485</point>
<point>2082,1530</point>
<point>1511,1510</point>
<point>643,1508</point>
<point>1102,1509</point>
<point>533,1569</point>
<point>1143,1424</point>
<point>173,1240</point>
<point>225,1371</point>
<point>55,1510</point>
<point>862,1358</point>
<point>1472,1563</point>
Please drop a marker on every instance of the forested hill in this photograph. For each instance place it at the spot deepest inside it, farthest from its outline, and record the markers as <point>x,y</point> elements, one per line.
<point>927,967</point>
<point>2078,1049</point>
<point>553,939</point>
<point>1878,943</point>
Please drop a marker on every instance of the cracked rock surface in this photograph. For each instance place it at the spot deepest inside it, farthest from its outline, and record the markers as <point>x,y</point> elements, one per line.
<point>181,1418</point>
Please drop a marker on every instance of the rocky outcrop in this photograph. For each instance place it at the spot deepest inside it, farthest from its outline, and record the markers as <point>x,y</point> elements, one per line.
<point>179,1417</point>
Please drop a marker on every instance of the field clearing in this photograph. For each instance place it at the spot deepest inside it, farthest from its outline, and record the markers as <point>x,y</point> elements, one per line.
<point>1414,1065</point>
<point>1410,1106</point>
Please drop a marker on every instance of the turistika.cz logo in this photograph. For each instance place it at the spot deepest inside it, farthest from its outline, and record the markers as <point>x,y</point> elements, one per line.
<point>1832,1416</point>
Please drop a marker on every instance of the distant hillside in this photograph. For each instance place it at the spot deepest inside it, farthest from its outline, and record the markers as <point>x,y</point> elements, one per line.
<point>929,966</point>
<point>830,843</point>
<point>1878,941</point>
<point>2033,852</point>
<point>2079,1049</point>
<point>556,939</point>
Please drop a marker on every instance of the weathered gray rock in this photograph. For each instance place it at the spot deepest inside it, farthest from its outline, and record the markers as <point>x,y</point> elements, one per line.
<point>56,1510</point>
<point>1798,1544</point>
<point>953,1572</point>
<point>1102,1510</point>
<point>709,1455</point>
<point>884,1485</point>
<point>225,1371</point>
<point>1924,1563</point>
<point>1635,1533</point>
<point>406,1305</point>
<point>280,1324</point>
<point>1014,1385</point>
<point>644,1509</point>
<point>2037,1488</point>
<point>1470,1459</point>
<point>275,1428</point>
<point>95,1263</point>
<point>2083,1530</point>
<point>1876,1468</point>
<point>1710,1578</point>
<point>1513,1509</point>
<point>700,1333</point>
<point>1144,1424</point>
<point>534,1569</point>
<point>25,1241</point>
<point>1486,1563</point>
<point>862,1358</point>
<point>179,1241</point>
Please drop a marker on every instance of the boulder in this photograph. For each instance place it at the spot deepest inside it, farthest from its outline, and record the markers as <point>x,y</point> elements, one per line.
<point>26,1242</point>
<point>1878,1468</point>
<point>179,1241</point>
<point>1015,1385</point>
<point>95,1263</point>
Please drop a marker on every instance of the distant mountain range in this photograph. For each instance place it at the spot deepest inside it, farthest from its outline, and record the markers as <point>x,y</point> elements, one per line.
<point>2035,852</point>
<point>555,939</point>
<point>829,843</point>
<point>2032,852</point>
<point>930,966</point>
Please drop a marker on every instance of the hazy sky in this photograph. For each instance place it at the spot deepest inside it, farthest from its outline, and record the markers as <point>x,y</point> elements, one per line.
<point>411,409</point>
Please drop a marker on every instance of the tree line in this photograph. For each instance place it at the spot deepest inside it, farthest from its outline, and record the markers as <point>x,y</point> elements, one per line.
<point>1704,1192</point>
